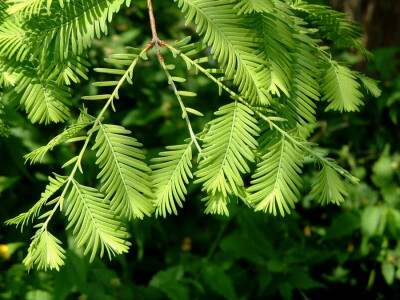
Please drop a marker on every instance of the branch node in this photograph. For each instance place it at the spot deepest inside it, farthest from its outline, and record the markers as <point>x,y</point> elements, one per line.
<point>149,46</point>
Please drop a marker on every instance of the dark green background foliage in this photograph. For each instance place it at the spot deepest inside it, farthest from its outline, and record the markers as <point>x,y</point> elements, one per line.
<point>315,252</point>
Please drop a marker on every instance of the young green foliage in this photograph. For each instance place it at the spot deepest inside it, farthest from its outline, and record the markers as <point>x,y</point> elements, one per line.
<point>23,219</point>
<point>228,147</point>
<point>341,89</point>
<point>124,176</point>
<point>171,174</point>
<point>271,51</point>
<point>45,252</point>
<point>69,133</point>
<point>276,182</point>
<point>236,46</point>
<point>328,187</point>
<point>95,224</point>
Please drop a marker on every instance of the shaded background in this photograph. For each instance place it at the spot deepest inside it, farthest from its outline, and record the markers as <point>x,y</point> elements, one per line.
<point>317,252</point>
<point>380,20</point>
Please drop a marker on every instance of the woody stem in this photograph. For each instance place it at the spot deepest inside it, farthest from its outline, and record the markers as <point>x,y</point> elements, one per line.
<point>156,41</point>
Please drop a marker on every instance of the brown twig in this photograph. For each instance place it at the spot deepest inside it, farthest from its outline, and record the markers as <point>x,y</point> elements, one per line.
<point>156,41</point>
<point>159,43</point>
